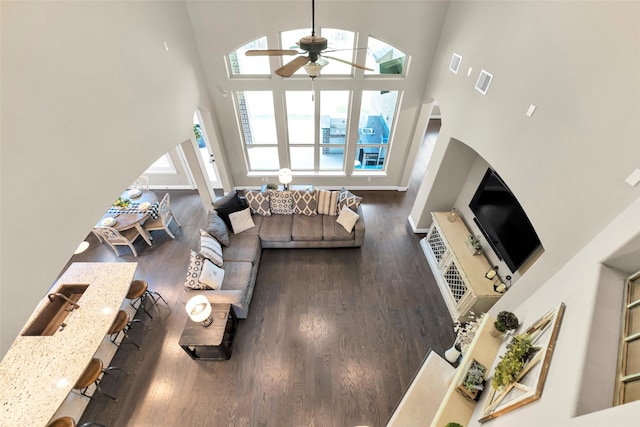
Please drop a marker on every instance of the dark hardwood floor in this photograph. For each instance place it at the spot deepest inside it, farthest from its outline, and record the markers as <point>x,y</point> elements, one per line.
<point>333,337</point>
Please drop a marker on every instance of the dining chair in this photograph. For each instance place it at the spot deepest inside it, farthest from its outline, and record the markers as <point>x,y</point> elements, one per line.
<point>165,216</point>
<point>92,375</point>
<point>115,238</point>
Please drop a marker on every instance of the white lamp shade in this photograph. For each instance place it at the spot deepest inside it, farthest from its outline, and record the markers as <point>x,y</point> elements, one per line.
<point>284,175</point>
<point>198,308</point>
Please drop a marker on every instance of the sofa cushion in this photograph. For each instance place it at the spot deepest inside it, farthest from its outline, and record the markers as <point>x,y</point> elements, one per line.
<point>280,202</point>
<point>331,230</point>
<point>347,218</point>
<point>276,228</point>
<point>243,247</point>
<point>327,202</point>
<point>305,202</point>
<point>217,228</point>
<point>306,228</point>
<point>346,198</point>
<point>237,275</point>
<point>258,202</point>
<point>241,221</point>
<point>210,248</point>
<point>229,204</point>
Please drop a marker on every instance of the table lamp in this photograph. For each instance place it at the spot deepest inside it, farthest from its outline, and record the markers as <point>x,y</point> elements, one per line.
<point>199,310</point>
<point>285,177</point>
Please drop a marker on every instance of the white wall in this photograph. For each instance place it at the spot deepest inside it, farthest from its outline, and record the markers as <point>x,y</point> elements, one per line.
<point>579,62</point>
<point>90,98</point>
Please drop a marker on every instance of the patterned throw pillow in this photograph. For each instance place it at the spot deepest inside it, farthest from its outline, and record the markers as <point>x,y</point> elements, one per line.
<point>258,202</point>
<point>210,248</point>
<point>327,202</point>
<point>280,202</point>
<point>305,202</point>
<point>350,200</point>
<point>193,273</point>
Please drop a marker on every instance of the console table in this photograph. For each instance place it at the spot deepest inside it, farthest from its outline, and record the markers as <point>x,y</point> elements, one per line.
<point>213,342</point>
<point>459,273</point>
<point>291,187</point>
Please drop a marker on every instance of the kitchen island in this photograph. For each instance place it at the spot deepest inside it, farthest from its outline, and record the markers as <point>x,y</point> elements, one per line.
<point>38,372</point>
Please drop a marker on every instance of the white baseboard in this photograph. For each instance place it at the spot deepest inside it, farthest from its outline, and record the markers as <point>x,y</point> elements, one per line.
<point>415,229</point>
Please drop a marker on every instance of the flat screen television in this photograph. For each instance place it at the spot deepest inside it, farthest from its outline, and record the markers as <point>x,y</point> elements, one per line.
<point>503,222</point>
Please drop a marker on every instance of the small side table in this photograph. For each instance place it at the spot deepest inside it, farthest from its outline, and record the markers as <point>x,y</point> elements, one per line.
<point>214,342</point>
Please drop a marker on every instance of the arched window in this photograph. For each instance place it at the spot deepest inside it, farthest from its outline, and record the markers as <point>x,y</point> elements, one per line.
<point>320,124</point>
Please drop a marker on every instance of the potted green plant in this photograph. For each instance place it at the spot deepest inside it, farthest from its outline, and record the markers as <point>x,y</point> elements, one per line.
<point>513,361</point>
<point>505,321</point>
<point>453,425</point>
<point>473,381</point>
<point>272,186</point>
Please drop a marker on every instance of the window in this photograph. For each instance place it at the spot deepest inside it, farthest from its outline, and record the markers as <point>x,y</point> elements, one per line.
<point>314,128</point>
<point>239,63</point>
<point>164,165</point>
<point>628,378</point>
<point>301,129</point>
<point>343,43</point>
<point>258,125</point>
<point>384,58</point>
<point>377,113</point>
<point>334,118</point>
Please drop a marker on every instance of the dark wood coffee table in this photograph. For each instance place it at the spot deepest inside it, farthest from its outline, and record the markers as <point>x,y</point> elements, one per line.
<point>214,342</point>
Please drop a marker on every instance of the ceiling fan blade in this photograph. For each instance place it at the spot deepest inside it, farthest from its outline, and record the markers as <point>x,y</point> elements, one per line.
<point>271,52</point>
<point>362,67</point>
<point>293,66</point>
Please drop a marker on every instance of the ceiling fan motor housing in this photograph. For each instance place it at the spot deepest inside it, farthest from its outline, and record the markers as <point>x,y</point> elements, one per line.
<point>313,45</point>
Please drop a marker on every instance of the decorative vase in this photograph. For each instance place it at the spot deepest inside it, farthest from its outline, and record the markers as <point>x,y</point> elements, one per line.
<point>494,332</point>
<point>452,354</point>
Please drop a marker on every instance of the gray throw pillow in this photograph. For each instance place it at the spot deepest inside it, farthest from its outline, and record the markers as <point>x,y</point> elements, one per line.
<point>218,229</point>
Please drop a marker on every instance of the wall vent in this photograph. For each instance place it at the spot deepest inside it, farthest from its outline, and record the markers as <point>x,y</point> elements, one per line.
<point>484,80</point>
<point>455,63</point>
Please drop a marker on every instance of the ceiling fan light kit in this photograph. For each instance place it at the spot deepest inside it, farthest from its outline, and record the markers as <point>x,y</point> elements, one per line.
<point>313,46</point>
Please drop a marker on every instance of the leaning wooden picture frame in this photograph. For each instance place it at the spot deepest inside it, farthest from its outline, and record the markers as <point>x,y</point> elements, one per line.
<point>529,384</point>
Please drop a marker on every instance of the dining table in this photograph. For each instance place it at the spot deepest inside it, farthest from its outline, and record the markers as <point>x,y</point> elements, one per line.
<point>143,206</point>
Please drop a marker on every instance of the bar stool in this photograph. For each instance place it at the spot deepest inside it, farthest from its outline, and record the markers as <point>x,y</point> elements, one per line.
<point>70,422</point>
<point>122,323</point>
<point>93,374</point>
<point>139,290</point>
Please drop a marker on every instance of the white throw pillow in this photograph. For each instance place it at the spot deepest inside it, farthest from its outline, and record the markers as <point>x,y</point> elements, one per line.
<point>212,275</point>
<point>241,221</point>
<point>347,218</point>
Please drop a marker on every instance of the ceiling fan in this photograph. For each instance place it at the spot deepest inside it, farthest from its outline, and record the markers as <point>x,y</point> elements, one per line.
<point>312,59</point>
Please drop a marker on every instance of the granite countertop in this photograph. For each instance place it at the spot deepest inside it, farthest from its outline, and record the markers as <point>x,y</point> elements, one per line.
<point>38,372</point>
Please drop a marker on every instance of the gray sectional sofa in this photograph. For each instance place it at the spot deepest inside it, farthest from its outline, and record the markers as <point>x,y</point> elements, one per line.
<point>241,251</point>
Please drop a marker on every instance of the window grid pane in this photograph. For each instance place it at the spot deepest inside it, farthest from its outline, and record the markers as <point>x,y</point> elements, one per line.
<point>300,117</point>
<point>256,65</point>
<point>376,120</point>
